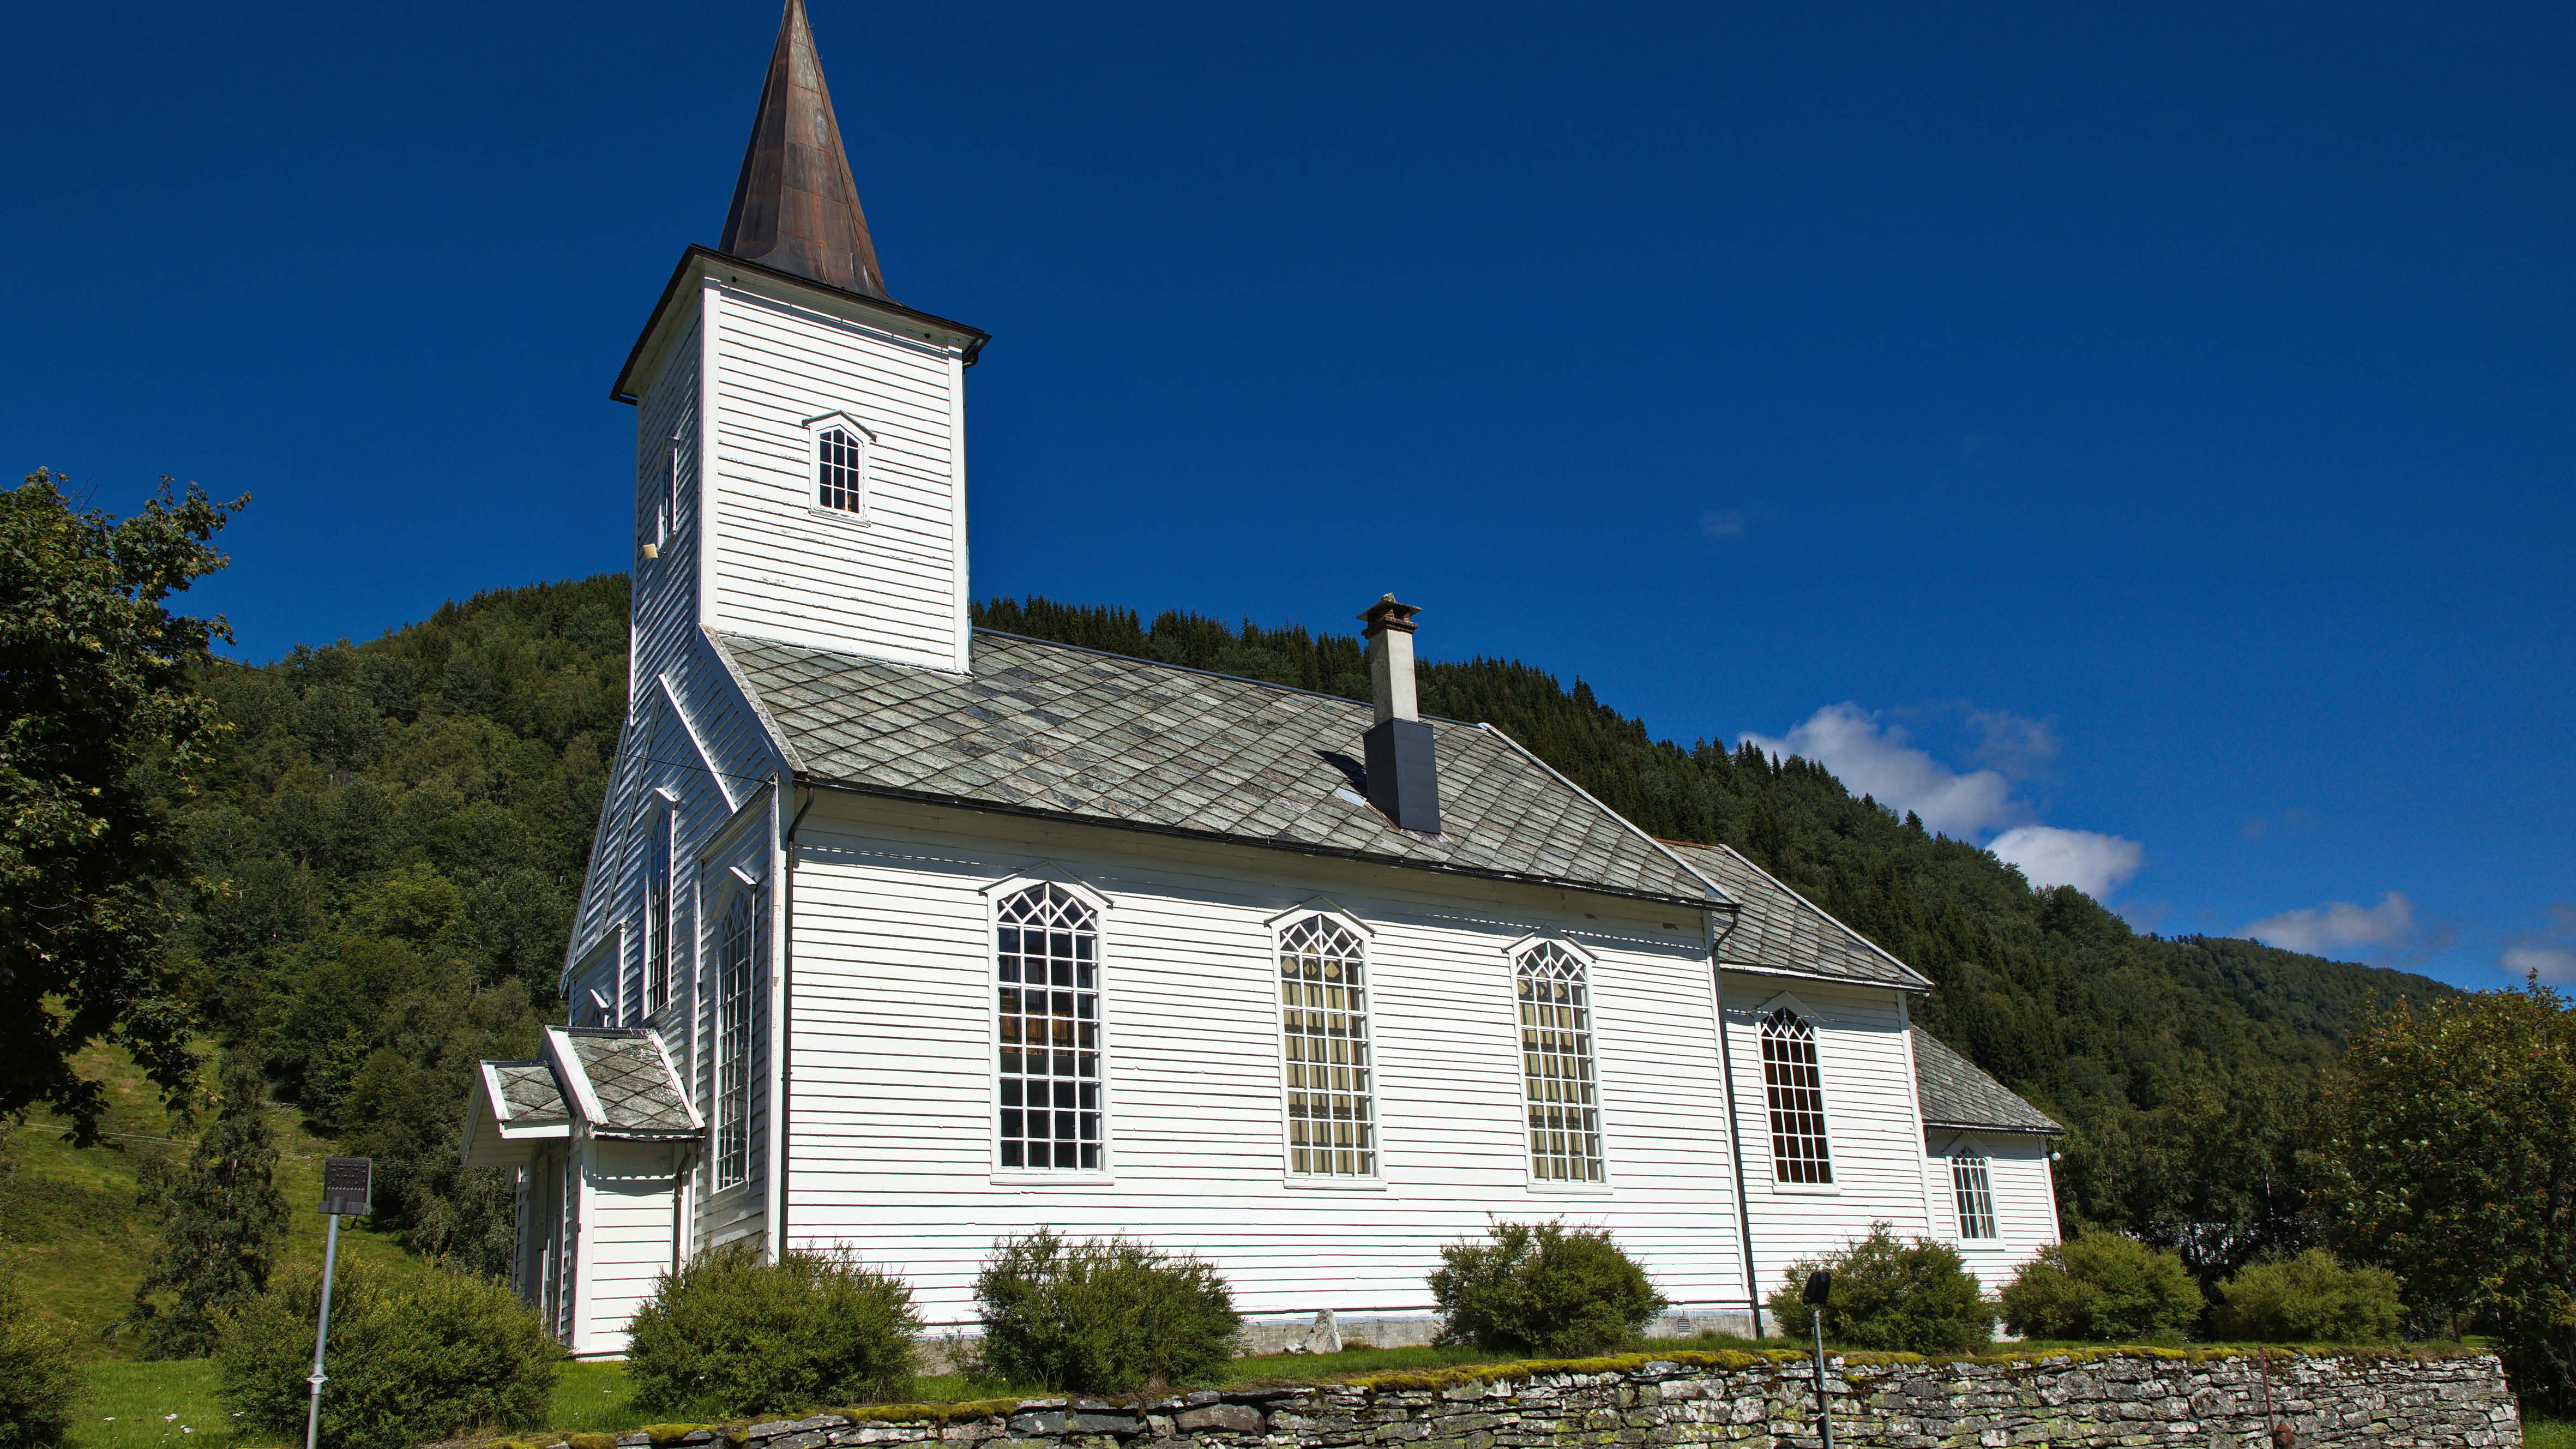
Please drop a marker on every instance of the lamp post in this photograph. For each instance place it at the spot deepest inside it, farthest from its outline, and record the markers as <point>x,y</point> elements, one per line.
<point>347,1184</point>
<point>1820,1286</point>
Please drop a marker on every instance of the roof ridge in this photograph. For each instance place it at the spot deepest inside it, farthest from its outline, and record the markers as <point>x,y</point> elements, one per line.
<point>1207,673</point>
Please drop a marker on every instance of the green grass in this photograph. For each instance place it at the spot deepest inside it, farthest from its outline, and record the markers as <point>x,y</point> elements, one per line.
<point>593,1398</point>
<point>132,1405</point>
<point>70,1227</point>
<point>2549,1434</point>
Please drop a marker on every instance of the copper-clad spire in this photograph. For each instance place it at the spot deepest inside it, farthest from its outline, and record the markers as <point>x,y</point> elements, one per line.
<point>795,207</point>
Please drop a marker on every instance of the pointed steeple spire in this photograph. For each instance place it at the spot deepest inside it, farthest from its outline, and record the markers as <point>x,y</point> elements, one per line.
<point>796,207</point>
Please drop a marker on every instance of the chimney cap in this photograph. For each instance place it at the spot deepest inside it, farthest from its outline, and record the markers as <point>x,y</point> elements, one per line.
<point>1386,613</point>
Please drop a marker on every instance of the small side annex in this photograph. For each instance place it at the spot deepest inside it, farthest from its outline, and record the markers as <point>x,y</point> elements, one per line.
<point>1819,1038</point>
<point>602,1136</point>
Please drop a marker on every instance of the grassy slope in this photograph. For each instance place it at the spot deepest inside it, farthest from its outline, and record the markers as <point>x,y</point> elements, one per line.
<point>70,1227</point>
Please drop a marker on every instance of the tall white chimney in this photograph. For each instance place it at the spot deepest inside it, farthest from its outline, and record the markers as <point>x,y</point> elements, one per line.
<point>1403,772</point>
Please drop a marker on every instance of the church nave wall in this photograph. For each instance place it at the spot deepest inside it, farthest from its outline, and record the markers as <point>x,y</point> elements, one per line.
<point>891,1131</point>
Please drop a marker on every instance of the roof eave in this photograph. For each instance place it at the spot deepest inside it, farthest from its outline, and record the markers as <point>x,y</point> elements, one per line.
<point>959,802</point>
<point>2024,1128</point>
<point>624,388</point>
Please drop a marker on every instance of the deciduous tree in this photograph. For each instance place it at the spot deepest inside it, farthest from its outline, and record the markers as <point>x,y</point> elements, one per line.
<point>2453,1161</point>
<point>100,721</point>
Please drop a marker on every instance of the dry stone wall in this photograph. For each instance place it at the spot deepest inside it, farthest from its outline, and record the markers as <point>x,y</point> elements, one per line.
<point>2206,1400</point>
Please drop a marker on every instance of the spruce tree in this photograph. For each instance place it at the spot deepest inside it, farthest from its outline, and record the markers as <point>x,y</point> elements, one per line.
<point>222,1221</point>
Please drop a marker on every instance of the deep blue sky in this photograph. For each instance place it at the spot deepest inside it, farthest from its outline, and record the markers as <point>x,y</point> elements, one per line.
<point>2170,414</point>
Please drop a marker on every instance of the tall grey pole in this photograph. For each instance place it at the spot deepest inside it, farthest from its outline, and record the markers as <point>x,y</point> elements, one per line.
<point>1824,1410</point>
<point>322,1333</point>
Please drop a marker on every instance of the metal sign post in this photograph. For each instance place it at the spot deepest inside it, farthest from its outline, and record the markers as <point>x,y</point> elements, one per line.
<point>347,1184</point>
<point>1820,1286</point>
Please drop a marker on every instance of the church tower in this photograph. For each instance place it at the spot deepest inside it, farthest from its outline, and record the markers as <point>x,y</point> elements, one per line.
<point>800,435</point>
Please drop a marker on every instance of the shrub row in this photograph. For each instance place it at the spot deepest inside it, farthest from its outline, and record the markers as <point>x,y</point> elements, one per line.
<point>2097,1287</point>
<point>729,1334</point>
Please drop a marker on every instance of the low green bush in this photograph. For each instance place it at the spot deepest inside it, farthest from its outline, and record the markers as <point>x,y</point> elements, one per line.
<point>1101,1316</point>
<point>412,1358</point>
<point>37,1379</point>
<point>729,1334</point>
<point>2105,1288</point>
<point>2312,1298</point>
<point>1542,1288</point>
<point>1891,1297</point>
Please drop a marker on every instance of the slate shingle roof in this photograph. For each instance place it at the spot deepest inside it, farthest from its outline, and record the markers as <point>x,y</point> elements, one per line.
<point>1955,1093</point>
<point>1777,929</point>
<point>1049,729</point>
<point>629,1077</point>
<point>528,1089</point>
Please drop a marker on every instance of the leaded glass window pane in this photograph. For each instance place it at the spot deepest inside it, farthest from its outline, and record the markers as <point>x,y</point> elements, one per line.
<point>1556,1063</point>
<point>1974,1186</point>
<point>839,464</point>
<point>1048,953</point>
<point>1323,1008</point>
<point>733,1044</point>
<point>1795,1089</point>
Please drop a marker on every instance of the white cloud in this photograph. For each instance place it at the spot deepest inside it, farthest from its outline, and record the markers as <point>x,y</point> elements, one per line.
<point>2015,744</point>
<point>2093,863</point>
<point>2341,926</point>
<point>1724,523</point>
<point>2553,963</point>
<point>2551,954</point>
<point>1874,759</point>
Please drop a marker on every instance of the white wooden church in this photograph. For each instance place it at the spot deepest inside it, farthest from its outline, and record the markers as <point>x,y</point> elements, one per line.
<point>903,935</point>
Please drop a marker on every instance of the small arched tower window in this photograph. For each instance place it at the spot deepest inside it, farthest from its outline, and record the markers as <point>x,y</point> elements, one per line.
<point>1556,1065</point>
<point>1047,953</point>
<point>1795,1088</point>
<point>838,449</point>
<point>1323,1010</point>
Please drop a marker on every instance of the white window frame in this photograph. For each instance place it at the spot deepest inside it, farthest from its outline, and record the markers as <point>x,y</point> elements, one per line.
<point>660,960</point>
<point>723,1101</point>
<point>679,444</point>
<point>995,895</point>
<point>1518,954</point>
<point>1972,1159</point>
<point>866,441</point>
<point>1321,908</point>
<point>1815,1023</point>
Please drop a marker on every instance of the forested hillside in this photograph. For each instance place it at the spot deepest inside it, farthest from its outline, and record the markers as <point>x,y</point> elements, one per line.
<point>400,828</point>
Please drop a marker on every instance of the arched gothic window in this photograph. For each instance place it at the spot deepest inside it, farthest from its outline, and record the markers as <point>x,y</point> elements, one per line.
<point>1048,952</point>
<point>840,468</point>
<point>1556,1063</point>
<point>1323,1008</point>
<point>733,1043</point>
<point>1795,1089</point>
<point>1974,1186</point>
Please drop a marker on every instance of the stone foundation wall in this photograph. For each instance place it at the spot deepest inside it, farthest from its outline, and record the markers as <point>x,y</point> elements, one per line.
<point>1745,1401</point>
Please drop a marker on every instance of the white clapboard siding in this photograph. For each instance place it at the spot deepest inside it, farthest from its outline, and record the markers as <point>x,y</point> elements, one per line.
<point>745,846</point>
<point>666,588</point>
<point>626,1230</point>
<point>890,1127</point>
<point>1874,1134</point>
<point>893,587</point>
<point>2025,1200</point>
